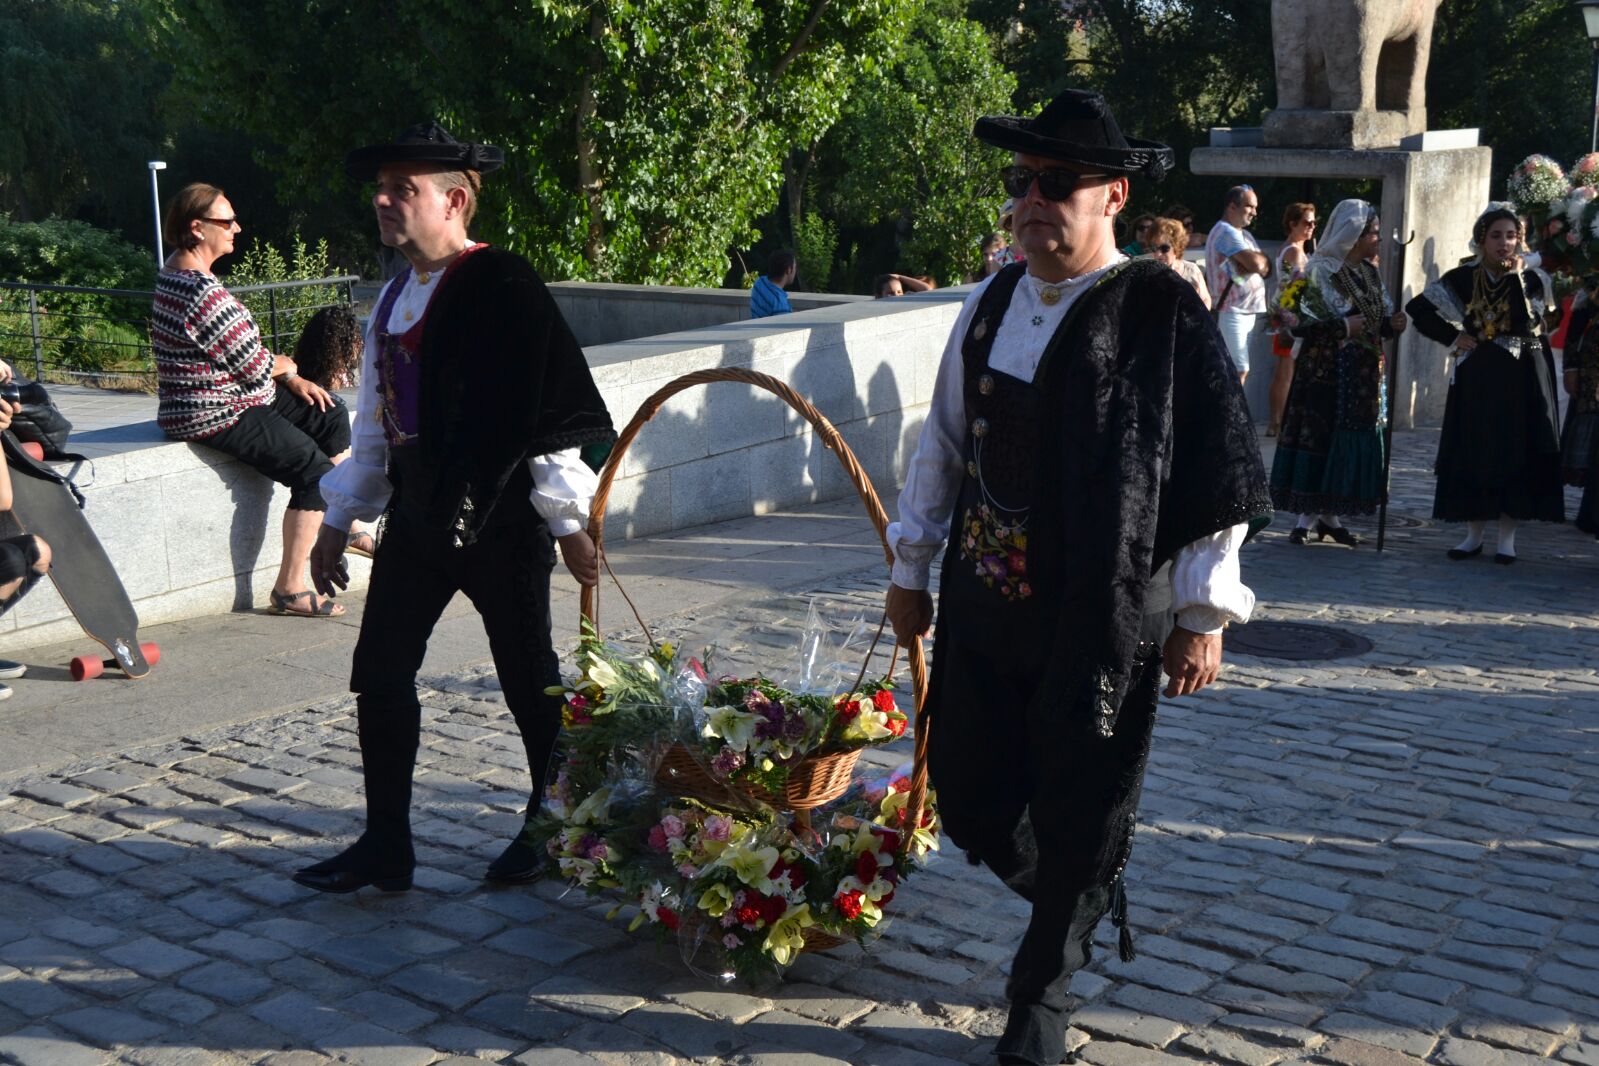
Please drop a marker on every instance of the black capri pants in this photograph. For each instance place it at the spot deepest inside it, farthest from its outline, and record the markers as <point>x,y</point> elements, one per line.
<point>18,558</point>
<point>291,442</point>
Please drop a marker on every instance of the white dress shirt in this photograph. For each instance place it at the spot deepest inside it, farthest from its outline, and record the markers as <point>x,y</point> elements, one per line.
<point>358,489</point>
<point>1207,585</point>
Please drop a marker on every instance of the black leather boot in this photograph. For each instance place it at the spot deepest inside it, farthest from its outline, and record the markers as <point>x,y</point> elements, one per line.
<point>522,860</point>
<point>1041,1004</point>
<point>383,856</point>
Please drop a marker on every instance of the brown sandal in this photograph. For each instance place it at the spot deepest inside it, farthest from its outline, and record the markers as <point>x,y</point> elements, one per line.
<point>326,609</point>
<point>362,544</point>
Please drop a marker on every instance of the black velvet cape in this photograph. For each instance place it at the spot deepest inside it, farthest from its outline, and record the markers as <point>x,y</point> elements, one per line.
<point>1149,446</point>
<point>502,380</point>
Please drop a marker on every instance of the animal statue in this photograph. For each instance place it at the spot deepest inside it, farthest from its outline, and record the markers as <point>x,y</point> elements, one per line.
<point>1354,55</point>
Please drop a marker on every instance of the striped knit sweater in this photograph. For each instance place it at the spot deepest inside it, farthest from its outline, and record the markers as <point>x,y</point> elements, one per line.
<point>210,363</point>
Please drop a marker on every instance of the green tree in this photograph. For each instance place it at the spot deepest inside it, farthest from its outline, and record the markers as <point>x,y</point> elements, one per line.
<point>642,136</point>
<point>81,115</point>
<point>903,156</point>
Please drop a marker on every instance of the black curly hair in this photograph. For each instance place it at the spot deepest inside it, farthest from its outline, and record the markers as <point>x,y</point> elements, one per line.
<point>329,349</point>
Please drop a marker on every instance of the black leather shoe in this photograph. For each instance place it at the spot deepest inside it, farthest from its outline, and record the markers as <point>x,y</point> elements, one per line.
<point>1502,559</point>
<point>520,862</point>
<point>1339,534</point>
<point>350,870</point>
<point>1461,553</point>
<point>1298,535</point>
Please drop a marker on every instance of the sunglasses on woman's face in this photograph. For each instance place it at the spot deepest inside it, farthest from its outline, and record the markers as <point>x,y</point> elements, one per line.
<point>225,223</point>
<point>1056,183</point>
<point>1163,249</point>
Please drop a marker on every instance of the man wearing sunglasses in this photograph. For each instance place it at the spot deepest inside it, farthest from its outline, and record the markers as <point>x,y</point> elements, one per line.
<point>1237,270</point>
<point>1089,458</point>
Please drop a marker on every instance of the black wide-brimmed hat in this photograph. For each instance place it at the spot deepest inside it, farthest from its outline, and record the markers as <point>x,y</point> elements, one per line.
<point>1077,127</point>
<point>426,142</point>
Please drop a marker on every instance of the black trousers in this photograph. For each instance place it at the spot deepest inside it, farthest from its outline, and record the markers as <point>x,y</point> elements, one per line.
<point>505,573</point>
<point>290,441</point>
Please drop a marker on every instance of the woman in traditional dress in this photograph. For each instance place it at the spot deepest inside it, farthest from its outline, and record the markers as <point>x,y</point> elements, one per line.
<point>1580,362</point>
<point>1299,225</point>
<point>1499,454</point>
<point>1329,457</point>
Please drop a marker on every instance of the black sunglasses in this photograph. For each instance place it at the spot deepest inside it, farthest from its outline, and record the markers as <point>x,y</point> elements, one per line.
<point>1163,249</point>
<point>1056,183</point>
<point>225,223</point>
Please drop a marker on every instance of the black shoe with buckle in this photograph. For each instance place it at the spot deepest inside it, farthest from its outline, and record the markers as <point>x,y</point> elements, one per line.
<point>361,864</point>
<point>521,861</point>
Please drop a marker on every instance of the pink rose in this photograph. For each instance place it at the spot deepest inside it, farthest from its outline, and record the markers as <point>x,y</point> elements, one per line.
<point>672,825</point>
<point>718,827</point>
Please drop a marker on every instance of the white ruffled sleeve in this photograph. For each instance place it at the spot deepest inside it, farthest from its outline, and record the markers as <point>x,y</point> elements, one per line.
<point>1207,584</point>
<point>934,474</point>
<point>563,490</point>
<point>358,489</point>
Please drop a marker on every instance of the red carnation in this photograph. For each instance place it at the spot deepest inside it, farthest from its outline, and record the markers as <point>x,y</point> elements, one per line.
<point>890,839</point>
<point>901,784</point>
<point>748,914</point>
<point>883,700</point>
<point>849,710</point>
<point>773,908</point>
<point>796,875</point>
<point>866,867</point>
<point>848,904</point>
<point>896,726</point>
<point>667,917</point>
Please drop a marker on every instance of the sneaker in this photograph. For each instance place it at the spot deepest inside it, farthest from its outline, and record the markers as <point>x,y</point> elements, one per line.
<point>10,670</point>
<point>5,692</point>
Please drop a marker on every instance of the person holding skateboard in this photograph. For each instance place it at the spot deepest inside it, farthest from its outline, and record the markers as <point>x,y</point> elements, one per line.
<point>474,407</point>
<point>24,559</point>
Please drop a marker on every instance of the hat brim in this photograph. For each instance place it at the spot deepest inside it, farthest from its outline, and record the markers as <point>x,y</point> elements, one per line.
<point>363,163</point>
<point>1013,134</point>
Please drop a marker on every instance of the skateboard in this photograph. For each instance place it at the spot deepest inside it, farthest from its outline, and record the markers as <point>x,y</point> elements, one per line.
<point>43,503</point>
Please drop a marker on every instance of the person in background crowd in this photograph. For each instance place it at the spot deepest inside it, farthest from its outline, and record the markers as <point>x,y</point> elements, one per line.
<point>1499,451</point>
<point>1237,269</point>
<point>1329,458</point>
<point>329,353</point>
<point>769,296</point>
<point>1182,213</point>
<point>886,285</point>
<point>1170,240</point>
<point>992,247</point>
<point>1299,225</point>
<point>25,558</point>
<point>219,386</point>
<point>1140,236</point>
<point>1580,374</point>
<point>1012,252</point>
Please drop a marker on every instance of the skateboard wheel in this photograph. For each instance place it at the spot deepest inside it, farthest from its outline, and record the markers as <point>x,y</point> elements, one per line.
<point>87,667</point>
<point>152,652</point>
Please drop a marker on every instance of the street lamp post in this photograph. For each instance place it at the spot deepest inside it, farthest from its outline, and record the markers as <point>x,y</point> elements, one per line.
<point>1590,18</point>
<point>155,201</point>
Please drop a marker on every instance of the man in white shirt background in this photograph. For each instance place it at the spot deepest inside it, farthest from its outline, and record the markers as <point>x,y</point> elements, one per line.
<point>1236,270</point>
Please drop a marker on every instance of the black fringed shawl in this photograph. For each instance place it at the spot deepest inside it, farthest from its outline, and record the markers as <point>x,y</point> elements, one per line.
<point>1148,448</point>
<point>502,379</point>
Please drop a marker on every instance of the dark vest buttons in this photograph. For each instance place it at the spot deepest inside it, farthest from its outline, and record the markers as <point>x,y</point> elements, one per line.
<point>985,384</point>
<point>980,428</point>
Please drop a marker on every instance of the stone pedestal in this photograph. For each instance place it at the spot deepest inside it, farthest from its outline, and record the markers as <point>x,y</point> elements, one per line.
<point>1429,199</point>
<point>1319,128</point>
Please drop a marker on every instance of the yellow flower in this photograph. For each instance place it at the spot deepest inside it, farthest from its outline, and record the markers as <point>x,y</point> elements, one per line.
<point>787,937</point>
<point>732,725</point>
<point>602,673</point>
<point>750,864</point>
<point>716,900</point>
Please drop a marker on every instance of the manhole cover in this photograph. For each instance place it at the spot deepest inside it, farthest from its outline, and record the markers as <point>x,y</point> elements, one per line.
<point>1297,641</point>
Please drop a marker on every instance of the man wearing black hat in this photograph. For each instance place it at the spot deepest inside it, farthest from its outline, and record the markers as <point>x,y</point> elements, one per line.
<point>1091,462</point>
<point>474,403</point>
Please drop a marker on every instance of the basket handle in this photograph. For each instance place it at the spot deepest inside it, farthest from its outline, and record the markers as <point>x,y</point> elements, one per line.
<point>828,434</point>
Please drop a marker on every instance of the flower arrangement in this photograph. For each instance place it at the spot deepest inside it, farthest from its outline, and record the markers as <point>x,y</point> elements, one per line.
<point>1285,314</point>
<point>750,885</point>
<point>1585,171</point>
<point>1536,181</point>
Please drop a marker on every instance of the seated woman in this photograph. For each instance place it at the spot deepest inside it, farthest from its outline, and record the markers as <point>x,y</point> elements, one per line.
<point>1499,452</point>
<point>1170,241</point>
<point>219,386</point>
<point>1329,459</point>
<point>329,353</point>
<point>23,559</point>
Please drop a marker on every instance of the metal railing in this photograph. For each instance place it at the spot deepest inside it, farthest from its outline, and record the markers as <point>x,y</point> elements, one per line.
<point>73,333</point>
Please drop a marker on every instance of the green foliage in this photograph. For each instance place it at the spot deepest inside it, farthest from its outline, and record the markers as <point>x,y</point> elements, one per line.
<point>61,251</point>
<point>81,108</point>
<point>903,155</point>
<point>815,242</point>
<point>282,313</point>
<point>642,136</point>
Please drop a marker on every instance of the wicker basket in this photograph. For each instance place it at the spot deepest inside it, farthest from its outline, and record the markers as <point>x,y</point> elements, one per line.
<point>818,778</point>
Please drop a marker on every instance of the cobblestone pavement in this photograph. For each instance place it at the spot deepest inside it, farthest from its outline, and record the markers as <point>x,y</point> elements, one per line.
<point>1382,859</point>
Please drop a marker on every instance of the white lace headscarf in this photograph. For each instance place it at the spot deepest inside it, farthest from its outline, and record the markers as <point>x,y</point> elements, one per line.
<point>1349,220</point>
